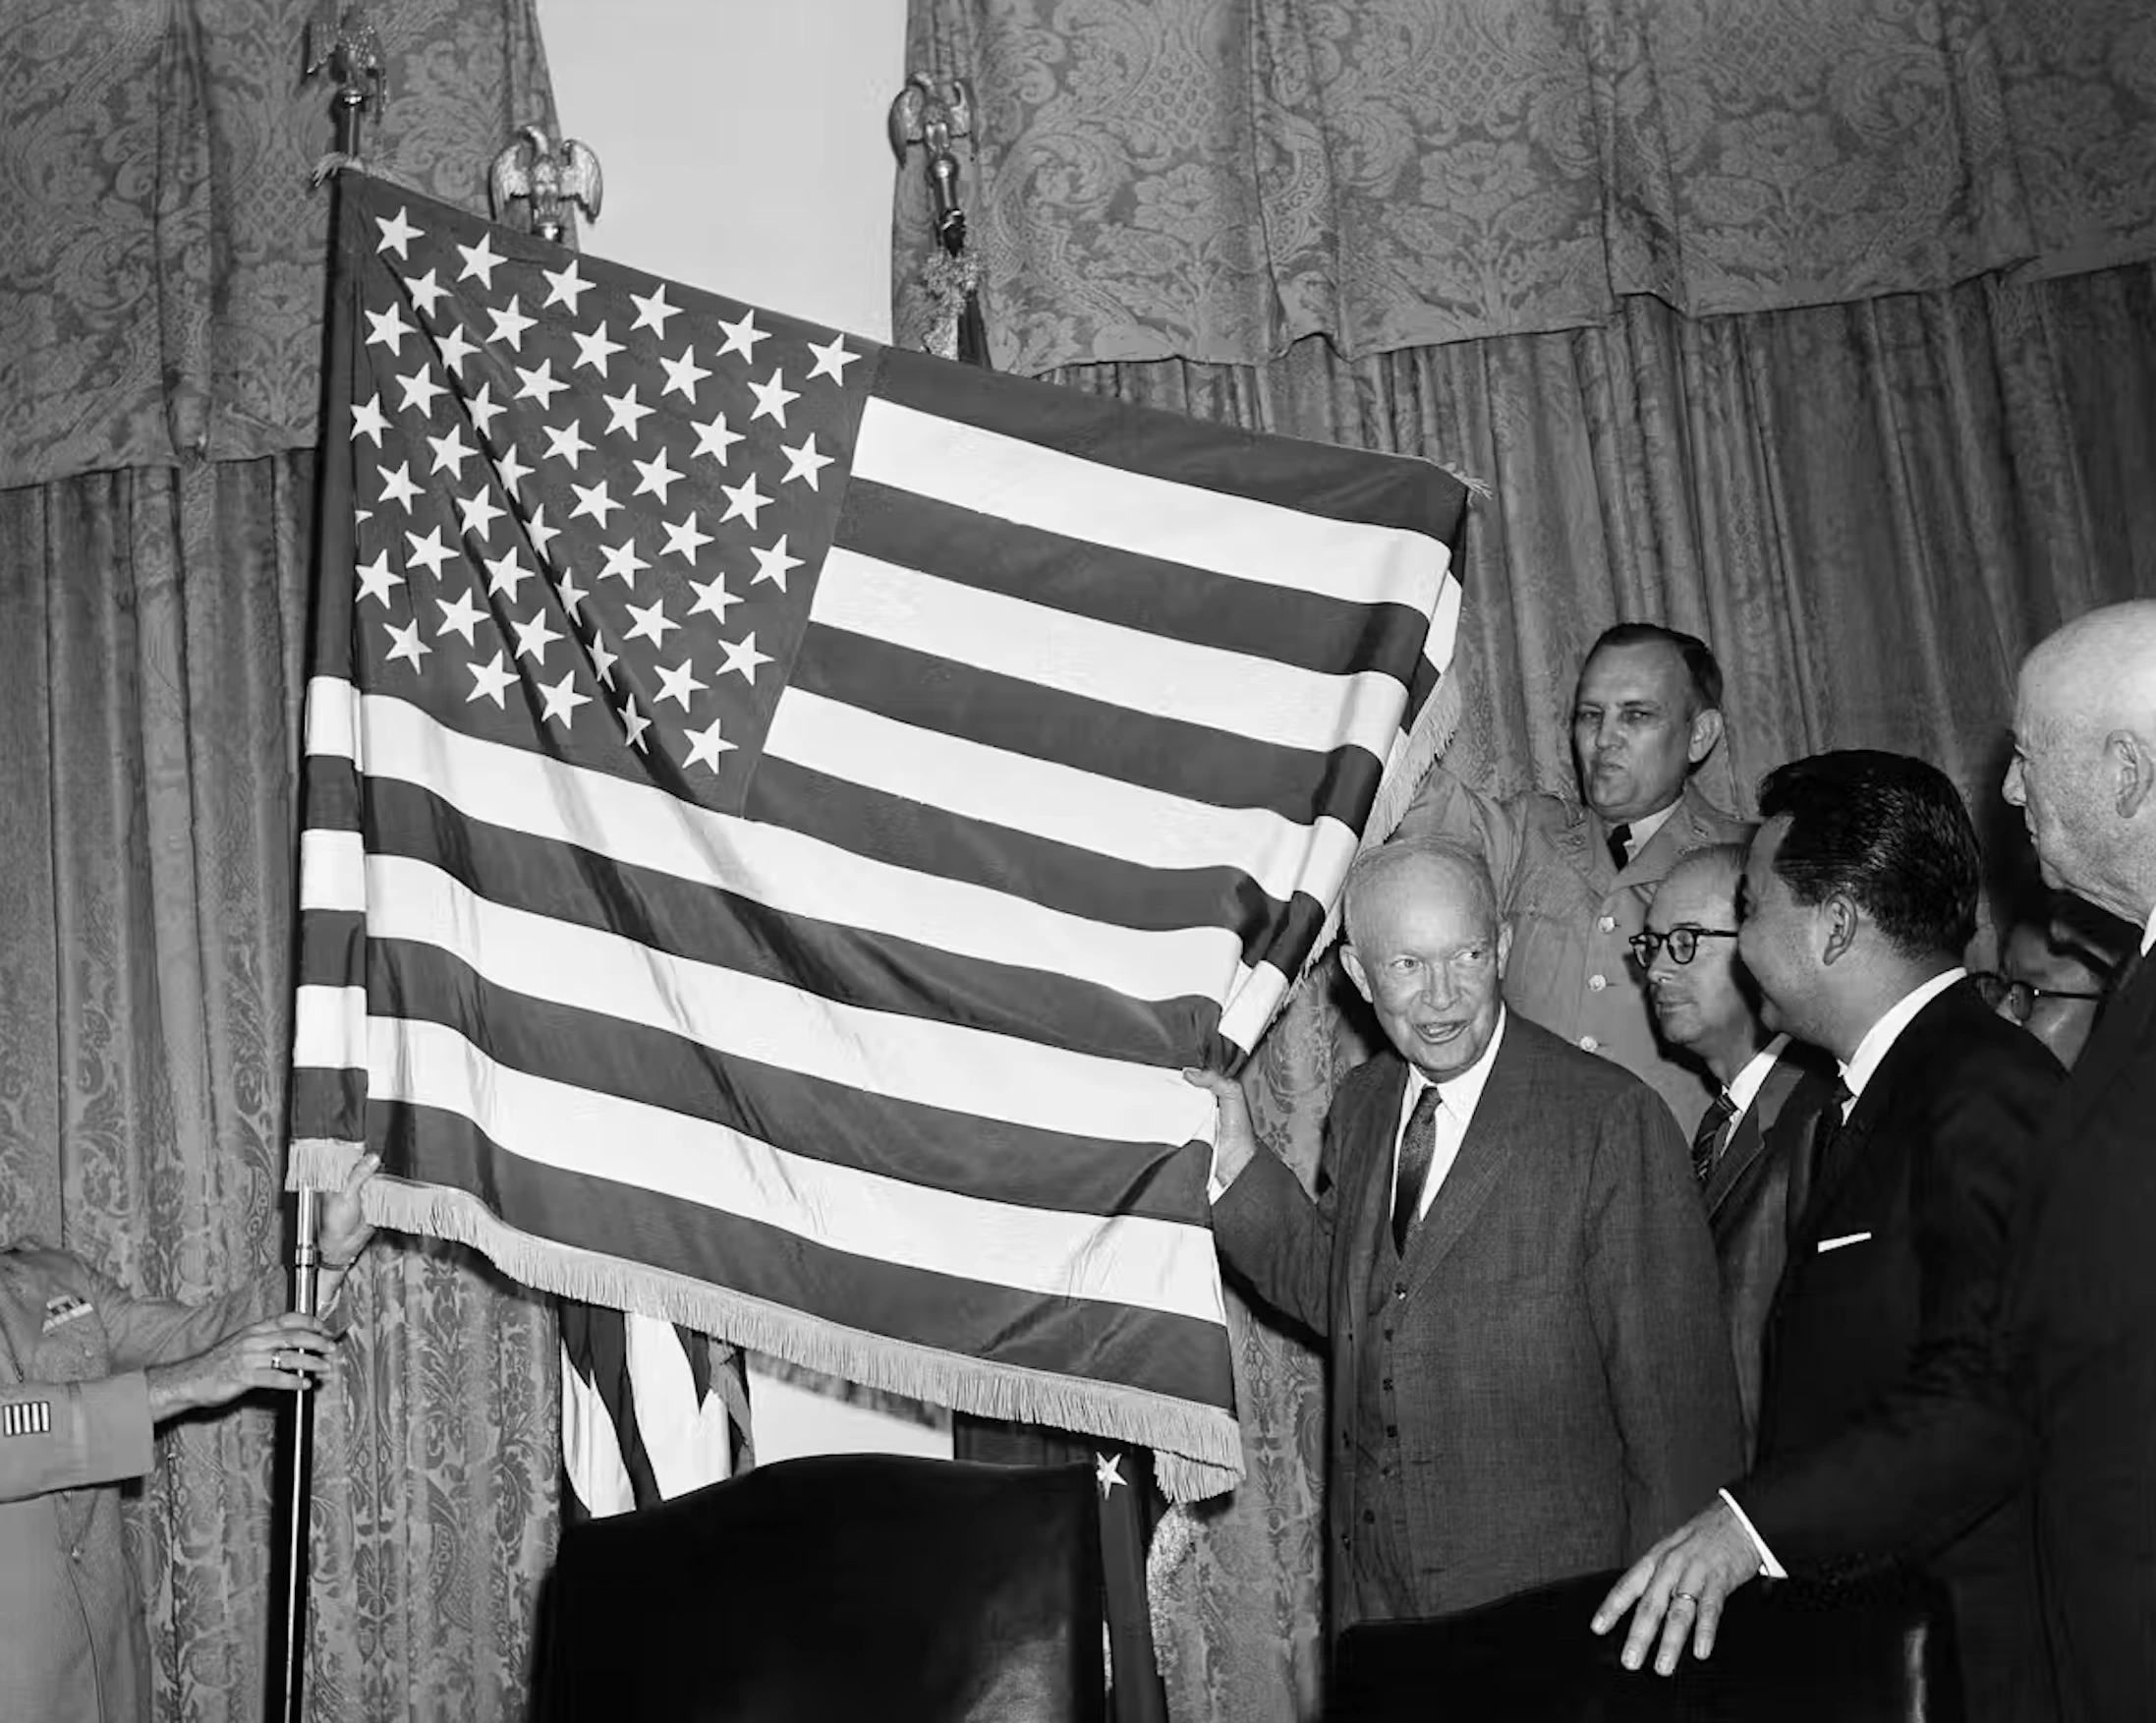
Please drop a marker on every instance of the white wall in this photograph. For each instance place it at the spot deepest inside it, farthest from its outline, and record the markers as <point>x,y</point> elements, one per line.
<point>743,143</point>
<point>744,151</point>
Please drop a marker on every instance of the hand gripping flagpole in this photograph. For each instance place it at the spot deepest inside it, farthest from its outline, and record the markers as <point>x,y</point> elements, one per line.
<point>341,46</point>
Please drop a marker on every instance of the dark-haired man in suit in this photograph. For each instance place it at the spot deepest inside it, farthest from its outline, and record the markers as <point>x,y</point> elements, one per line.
<point>1882,1434</point>
<point>2082,1313</point>
<point>1769,1091</point>
<point>1529,1375</point>
<point>1573,879</point>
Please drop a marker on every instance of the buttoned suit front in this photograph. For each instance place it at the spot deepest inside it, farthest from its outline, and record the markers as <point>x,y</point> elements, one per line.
<point>1746,1194</point>
<point>1573,914</point>
<point>1542,1385</point>
<point>73,1423</point>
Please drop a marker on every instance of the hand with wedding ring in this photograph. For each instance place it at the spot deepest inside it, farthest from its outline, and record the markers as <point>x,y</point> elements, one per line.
<point>280,1352</point>
<point>1679,1587</point>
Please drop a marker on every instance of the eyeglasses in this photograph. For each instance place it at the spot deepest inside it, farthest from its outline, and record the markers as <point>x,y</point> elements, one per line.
<point>1683,943</point>
<point>2019,997</point>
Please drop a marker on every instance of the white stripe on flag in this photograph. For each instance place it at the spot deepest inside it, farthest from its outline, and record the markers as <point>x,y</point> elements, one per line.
<point>641,825</point>
<point>1231,692</point>
<point>1251,1009</point>
<point>921,1060</point>
<point>1125,1259</point>
<point>1265,541</point>
<point>1060,803</point>
<point>590,1449</point>
<point>686,1440</point>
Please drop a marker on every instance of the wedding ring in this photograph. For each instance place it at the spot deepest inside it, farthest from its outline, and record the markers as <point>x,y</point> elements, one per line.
<point>1689,1597</point>
<point>277,1360</point>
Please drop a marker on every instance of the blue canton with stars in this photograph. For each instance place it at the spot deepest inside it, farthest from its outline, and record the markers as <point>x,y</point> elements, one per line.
<point>590,505</point>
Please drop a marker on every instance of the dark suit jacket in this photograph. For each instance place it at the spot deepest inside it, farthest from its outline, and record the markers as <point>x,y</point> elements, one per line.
<point>1747,1207</point>
<point>2084,1312</point>
<point>1572,1398</point>
<point>1885,1427</point>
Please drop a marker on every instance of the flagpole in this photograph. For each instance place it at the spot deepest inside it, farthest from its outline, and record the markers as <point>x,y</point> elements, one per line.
<point>344,48</point>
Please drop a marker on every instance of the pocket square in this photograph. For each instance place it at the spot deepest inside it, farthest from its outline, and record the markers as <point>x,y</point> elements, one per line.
<point>1827,1244</point>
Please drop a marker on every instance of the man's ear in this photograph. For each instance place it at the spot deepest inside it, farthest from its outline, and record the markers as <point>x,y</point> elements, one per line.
<point>1706,736</point>
<point>1842,918</point>
<point>1351,962</point>
<point>2132,770</point>
<point>1504,946</point>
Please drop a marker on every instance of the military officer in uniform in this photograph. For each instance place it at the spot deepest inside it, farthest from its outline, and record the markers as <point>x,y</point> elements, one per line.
<point>86,1370</point>
<point>1574,879</point>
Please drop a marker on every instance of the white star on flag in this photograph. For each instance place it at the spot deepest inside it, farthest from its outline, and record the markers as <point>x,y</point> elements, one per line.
<point>565,287</point>
<point>653,310</point>
<point>742,657</point>
<point>831,360</point>
<point>771,396</point>
<point>773,564</point>
<point>489,679</point>
<point>428,552</point>
<point>682,374</point>
<point>397,233</point>
<point>595,347</point>
<point>460,616</point>
<point>623,563</point>
<point>368,419</point>
<point>481,262</point>
<point>426,291</point>
<point>406,643</point>
<point>559,700</point>
<point>387,328</point>
<point>683,540</point>
<point>419,391</point>
<point>744,503</point>
<point>803,462</point>
<point>742,337</point>
<point>706,745</point>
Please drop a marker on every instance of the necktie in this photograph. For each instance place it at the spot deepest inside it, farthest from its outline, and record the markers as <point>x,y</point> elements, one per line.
<point>1805,1168</point>
<point>1418,1142</point>
<point>1706,1139</point>
<point>1621,847</point>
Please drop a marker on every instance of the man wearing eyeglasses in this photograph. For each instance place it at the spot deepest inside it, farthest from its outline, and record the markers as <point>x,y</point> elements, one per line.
<point>2048,985</point>
<point>1769,1091</point>
<point>1573,879</point>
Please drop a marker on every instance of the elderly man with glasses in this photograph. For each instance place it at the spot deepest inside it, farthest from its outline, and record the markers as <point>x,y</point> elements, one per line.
<point>1768,1091</point>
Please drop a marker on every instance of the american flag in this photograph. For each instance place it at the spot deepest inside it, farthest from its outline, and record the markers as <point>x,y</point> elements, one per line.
<point>780,812</point>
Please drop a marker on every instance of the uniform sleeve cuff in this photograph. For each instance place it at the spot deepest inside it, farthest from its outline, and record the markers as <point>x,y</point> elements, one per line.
<point>1768,1566</point>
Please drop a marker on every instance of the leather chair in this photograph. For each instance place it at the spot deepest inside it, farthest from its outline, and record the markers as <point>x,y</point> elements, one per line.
<point>840,1586</point>
<point>1872,1650</point>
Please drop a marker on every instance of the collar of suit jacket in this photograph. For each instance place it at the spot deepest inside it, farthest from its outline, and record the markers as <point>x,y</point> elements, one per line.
<point>1879,1039</point>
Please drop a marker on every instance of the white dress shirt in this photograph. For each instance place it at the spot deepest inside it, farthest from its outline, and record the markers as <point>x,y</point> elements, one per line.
<point>1457,1099</point>
<point>2148,934</point>
<point>1744,1087</point>
<point>1857,1071</point>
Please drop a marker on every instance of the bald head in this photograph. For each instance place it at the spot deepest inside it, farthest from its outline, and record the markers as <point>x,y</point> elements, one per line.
<point>2098,671</point>
<point>2083,772</point>
<point>1407,867</point>
<point>1715,869</point>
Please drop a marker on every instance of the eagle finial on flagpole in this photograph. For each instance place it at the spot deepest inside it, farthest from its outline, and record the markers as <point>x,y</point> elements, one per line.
<point>342,46</point>
<point>547,180</point>
<point>933,117</point>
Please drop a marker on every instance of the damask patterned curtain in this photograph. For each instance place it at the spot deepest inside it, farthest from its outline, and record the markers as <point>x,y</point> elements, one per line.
<point>1194,179</point>
<point>161,280</point>
<point>1824,328</point>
